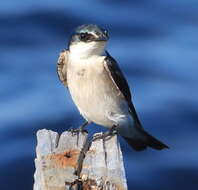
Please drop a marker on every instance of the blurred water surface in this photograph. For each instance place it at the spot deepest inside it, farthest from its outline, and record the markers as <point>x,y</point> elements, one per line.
<point>155,43</point>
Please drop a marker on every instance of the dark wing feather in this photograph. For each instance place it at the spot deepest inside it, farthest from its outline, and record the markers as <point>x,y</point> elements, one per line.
<point>62,66</point>
<point>119,80</point>
<point>117,76</point>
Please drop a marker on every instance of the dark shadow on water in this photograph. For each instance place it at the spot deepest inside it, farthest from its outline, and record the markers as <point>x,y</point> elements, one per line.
<point>17,174</point>
<point>169,179</point>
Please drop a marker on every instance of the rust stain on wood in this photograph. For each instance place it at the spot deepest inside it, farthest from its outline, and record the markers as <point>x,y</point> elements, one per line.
<point>65,159</point>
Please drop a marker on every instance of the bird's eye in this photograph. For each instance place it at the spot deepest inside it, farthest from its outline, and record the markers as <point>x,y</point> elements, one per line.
<point>82,36</point>
<point>85,36</point>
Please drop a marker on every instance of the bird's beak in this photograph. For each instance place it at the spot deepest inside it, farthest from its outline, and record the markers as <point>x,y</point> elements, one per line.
<point>102,37</point>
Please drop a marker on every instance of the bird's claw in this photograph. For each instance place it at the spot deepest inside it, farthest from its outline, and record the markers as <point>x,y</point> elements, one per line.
<point>105,136</point>
<point>77,131</point>
<point>97,137</point>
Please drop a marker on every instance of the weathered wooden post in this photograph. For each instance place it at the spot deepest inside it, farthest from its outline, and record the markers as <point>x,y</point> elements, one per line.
<point>71,162</point>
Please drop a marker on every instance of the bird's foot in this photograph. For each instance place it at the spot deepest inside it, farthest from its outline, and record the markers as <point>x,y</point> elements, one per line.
<point>77,131</point>
<point>81,129</point>
<point>105,136</point>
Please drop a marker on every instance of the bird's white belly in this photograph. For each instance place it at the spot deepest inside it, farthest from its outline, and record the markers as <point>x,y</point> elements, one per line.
<point>95,95</point>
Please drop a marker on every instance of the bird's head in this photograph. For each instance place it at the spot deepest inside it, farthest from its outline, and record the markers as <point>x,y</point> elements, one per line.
<point>88,40</point>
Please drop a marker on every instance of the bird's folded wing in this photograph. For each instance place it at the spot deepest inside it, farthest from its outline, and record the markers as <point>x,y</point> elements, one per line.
<point>119,80</point>
<point>117,76</point>
<point>62,66</point>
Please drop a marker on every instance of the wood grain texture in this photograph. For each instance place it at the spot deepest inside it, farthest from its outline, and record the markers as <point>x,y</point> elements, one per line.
<point>58,157</point>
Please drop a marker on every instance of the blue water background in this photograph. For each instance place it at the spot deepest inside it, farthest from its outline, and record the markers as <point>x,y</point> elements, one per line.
<point>156,45</point>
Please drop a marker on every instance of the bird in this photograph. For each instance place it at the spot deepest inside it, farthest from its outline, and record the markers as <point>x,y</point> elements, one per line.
<point>99,89</point>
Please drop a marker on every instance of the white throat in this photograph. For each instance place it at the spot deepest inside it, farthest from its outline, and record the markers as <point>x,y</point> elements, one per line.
<point>83,50</point>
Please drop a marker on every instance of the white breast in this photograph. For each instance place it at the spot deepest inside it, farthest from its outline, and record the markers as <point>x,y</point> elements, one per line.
<point>93,92</point>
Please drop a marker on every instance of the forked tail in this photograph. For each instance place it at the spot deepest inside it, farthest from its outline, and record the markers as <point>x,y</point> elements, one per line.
<point>144,140</point>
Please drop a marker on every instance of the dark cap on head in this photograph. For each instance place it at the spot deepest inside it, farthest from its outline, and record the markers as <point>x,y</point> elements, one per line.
<point>89,33</point>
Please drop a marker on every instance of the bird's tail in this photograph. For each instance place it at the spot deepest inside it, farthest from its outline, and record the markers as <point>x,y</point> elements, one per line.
<point>144,140</point>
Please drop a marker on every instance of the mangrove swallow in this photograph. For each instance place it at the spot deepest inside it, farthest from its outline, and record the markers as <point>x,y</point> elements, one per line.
<point>99,88</point>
